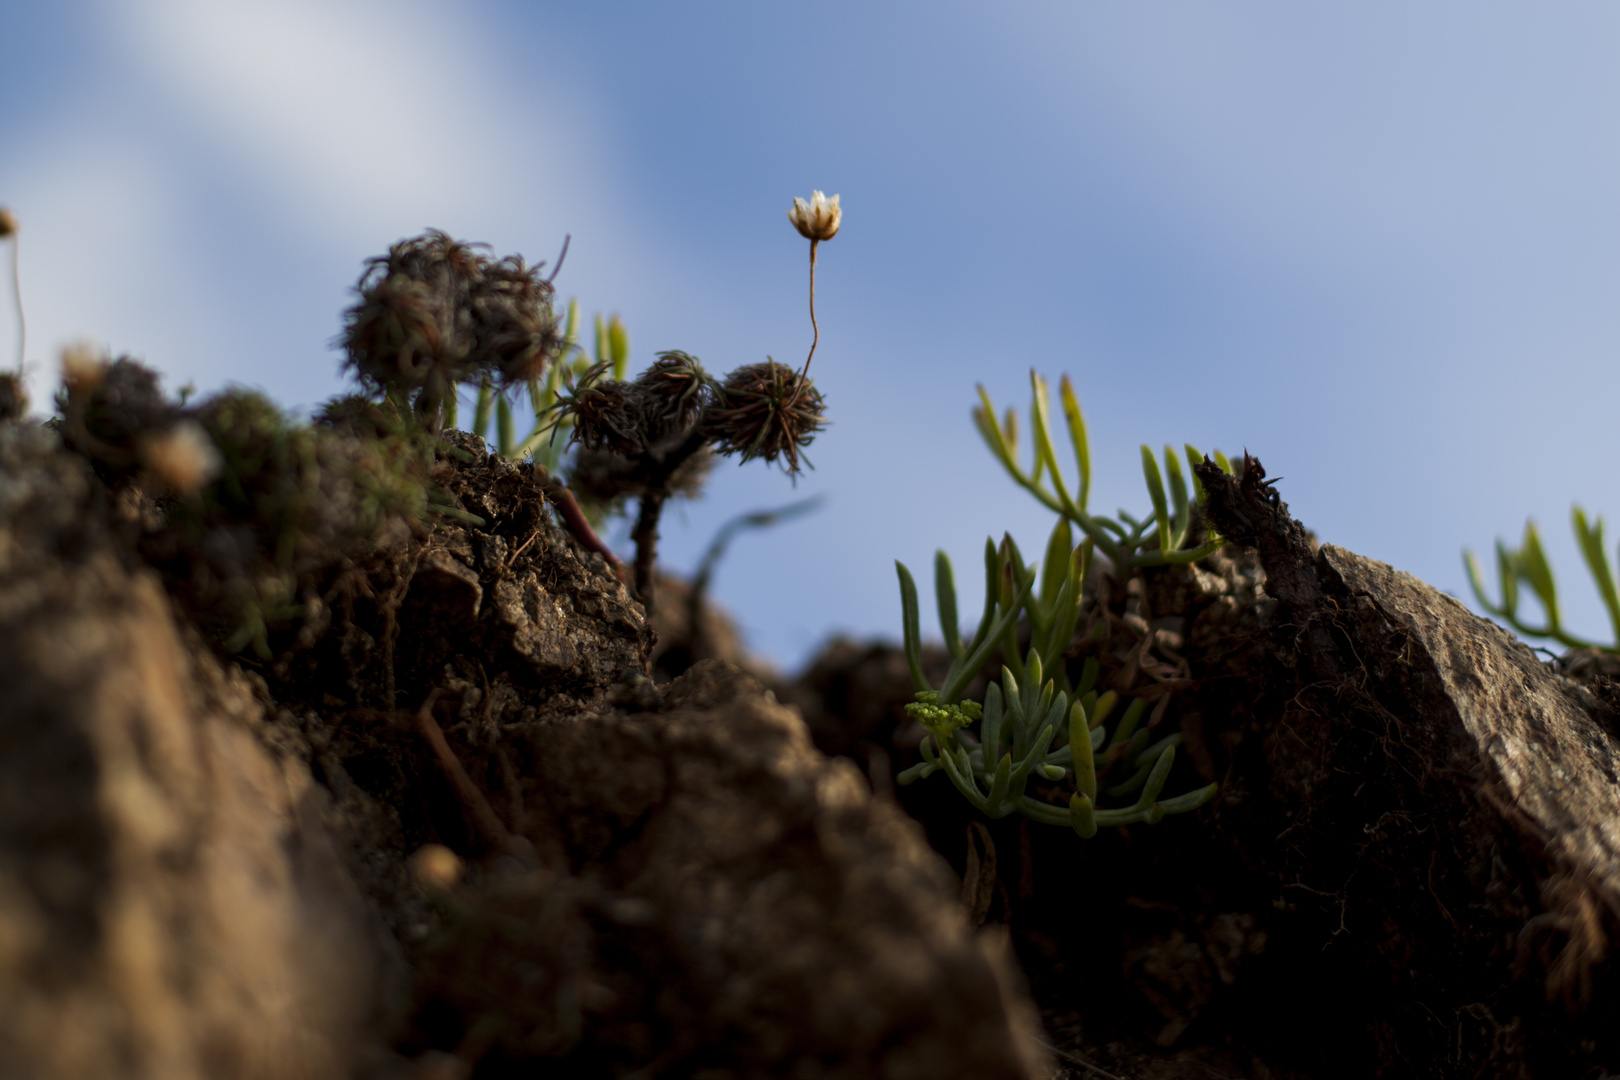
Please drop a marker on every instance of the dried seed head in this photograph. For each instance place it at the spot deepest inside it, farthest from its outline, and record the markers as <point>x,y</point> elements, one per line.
<point>183,458</point>
<point>767,411</point>
<point>610,414</point>
<point>8,222</point>
<point>817,219</point>
<point>433,313</point>
<point>84,365</point>
<point>13,396</point>
<point>515,329</point>
<point>676,390</point>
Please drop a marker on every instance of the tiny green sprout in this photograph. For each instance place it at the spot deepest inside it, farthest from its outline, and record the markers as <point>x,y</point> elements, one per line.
<point>1528,565</point>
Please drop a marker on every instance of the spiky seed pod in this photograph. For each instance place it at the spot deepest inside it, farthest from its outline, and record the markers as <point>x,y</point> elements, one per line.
<point>8,222</point>
<point>676,391</point>
<point>433,313</point>
<point>515,328</point>
<point>610,414</point>
<point>766,411</point>
<point>396,334</point>
<point>13,397</point>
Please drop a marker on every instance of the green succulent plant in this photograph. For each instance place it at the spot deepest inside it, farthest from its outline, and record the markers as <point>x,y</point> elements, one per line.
<point>1126,541</point>
<point>1527,564</point>
<point>1033,726</point>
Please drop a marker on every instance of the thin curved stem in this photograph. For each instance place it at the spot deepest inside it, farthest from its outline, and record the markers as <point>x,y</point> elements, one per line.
<point>22,323</point>
<point>815,331</point>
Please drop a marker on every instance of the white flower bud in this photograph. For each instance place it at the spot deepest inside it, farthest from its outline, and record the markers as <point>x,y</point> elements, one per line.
<point>817,219</point>
<point>184,458</point>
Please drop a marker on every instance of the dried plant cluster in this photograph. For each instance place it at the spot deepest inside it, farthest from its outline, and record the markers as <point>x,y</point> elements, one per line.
<point>1045,723</point>
<point>252,515</point>
<point>434,313</point>
<point>655,437</point>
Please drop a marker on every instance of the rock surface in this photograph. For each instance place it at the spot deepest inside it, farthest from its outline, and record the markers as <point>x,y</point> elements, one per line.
<point>206,866</point>
<point>173,901</point>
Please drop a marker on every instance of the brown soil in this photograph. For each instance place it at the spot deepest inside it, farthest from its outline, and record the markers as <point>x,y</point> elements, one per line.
<point>454,828</point>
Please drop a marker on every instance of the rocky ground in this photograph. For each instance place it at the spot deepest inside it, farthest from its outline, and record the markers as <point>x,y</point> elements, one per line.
<point>450,827</point>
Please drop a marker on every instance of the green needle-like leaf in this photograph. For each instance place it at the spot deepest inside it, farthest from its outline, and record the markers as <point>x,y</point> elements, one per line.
<point>1597,561</point>
<point>1156,778</point>
<point>1155,486</point>
<point>1041,434</point>
<point>920,771</point>
<point>505,435</point>
<point>1533,563</point>
<point>990,728</point>
<point>481,410</point>
<point>1088,675</point>
<point>911,623</point>
<point>1194,459</point>
<point>1127,725</point>
<point>1055,567</point>
<point>1180,515</point>
<point>1077,435</point>
<point>1082,817</point>
<point>1181,804</point>
<point>945,594</point>
<point>1085,765</point>
<point>998,786</point>
<point>619,347</point>
<point>1507,569</point>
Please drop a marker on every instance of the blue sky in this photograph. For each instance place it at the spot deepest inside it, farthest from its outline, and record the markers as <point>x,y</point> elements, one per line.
<point>1378,244</point>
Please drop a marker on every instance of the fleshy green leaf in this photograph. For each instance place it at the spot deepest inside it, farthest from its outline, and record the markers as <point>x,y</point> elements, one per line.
<point>1155,486</point>
<point>913,633</point>
<point>945,593</point>
<point>1077,435</point>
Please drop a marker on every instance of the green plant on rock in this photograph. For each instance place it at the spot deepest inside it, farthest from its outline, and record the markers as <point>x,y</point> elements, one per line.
<point>1031,726</point>
<point>1527,564</point>
<point>1127,541</point>
<point>1034,727</point>
<point>655,437</point>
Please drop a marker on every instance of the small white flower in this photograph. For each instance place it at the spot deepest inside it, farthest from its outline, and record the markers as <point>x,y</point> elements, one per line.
<point>817,219</point>
<point>184,458</point>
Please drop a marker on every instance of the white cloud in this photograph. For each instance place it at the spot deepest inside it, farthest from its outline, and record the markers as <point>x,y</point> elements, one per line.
<point>364,118</point>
